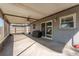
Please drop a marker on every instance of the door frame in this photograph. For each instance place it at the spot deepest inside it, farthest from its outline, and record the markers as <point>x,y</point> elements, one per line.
<point>45,29</point>
<point>41,28</point>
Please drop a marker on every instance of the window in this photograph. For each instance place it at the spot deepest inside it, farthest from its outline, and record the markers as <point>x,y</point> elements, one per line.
<point>34,26</point>
<point>1,28</point>
<point>68,22</point>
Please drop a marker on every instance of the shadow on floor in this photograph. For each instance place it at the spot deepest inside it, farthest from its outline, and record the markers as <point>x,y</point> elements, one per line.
<point>7,46</point>
<point>51,44</point>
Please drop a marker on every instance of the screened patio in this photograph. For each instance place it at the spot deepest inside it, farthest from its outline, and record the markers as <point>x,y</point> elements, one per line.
<point>18,21</point>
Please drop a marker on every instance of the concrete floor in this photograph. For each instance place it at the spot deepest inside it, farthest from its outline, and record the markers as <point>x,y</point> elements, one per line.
<point>26,45</point>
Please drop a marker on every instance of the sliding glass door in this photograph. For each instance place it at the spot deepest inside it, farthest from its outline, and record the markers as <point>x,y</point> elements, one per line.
<point>49,29</point>
<point>46,29</point>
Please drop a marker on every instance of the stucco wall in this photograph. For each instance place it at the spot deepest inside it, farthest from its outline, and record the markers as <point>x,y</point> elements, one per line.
<point>62,35</point>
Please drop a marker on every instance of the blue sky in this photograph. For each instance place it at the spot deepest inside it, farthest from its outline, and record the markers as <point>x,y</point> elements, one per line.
<point>1,22</point>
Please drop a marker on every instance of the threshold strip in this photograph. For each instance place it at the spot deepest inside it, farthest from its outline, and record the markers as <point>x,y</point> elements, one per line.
<point>26,49</point>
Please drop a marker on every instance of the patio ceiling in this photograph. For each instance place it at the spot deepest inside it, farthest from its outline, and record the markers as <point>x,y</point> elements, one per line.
<point>34,11</point>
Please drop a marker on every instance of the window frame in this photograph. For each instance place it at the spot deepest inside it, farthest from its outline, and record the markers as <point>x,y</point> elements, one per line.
<point>74,21</point>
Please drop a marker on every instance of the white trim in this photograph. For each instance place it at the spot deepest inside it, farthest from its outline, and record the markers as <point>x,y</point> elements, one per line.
<point>49,21</point>
<point>74,20</point>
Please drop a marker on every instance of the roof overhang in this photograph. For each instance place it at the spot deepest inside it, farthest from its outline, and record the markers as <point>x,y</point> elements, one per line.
<point>18,13</point>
